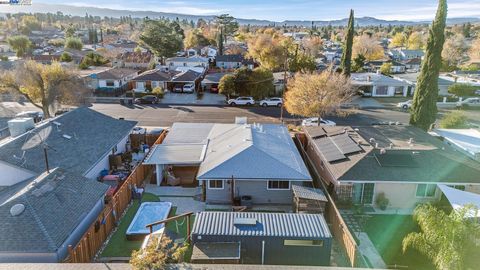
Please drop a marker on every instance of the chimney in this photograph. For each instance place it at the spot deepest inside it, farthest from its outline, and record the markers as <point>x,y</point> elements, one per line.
<point>20,125</point>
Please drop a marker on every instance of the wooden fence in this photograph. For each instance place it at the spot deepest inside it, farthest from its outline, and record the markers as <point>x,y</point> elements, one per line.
<point>337,224</point>
<point>107,220</point>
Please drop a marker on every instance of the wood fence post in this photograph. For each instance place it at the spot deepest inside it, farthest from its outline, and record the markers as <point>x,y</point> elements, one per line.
<point>70,252</point>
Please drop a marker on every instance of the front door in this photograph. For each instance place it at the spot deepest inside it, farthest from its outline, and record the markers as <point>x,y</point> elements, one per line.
<point>363,193</point>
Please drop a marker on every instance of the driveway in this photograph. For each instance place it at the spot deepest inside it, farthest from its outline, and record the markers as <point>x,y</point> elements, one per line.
<point>192,99</point>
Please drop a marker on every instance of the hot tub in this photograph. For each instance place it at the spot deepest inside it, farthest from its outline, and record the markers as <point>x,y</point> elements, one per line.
<point>147,213</point>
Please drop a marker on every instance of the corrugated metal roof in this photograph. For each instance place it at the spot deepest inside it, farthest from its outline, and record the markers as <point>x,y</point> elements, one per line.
<point>268,225</point>
<point>308,193</point>
<point>188,133</point>
<point>176,154</point>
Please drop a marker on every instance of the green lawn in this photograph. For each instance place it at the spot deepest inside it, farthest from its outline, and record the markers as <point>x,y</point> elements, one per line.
<point>119,246</point>
<point>387,232</point>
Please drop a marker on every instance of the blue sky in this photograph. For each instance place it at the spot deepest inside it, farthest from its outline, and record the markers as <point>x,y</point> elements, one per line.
<point>279,10</point>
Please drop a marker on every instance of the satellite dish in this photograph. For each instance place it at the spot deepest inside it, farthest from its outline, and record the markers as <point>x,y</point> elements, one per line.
<point>38,138</point>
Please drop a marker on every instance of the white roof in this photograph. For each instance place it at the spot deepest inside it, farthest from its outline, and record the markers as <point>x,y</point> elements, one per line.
<point>375,79</point>
<point>175,154</point>
<point>466,139</point>
<point>458,198</point>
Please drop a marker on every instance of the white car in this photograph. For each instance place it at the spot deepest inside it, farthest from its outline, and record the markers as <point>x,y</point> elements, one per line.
<point>189,88</point>
<point>275,101</point>
<point>248,101</point>
<point>469,102</point>
<point>314,122</point>
<point>405,105</point>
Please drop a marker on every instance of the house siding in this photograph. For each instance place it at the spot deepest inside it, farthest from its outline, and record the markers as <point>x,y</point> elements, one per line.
<point>257,189</point>
<point>402,195</point>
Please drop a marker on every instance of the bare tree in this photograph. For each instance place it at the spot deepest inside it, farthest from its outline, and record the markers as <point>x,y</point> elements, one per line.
<point>316,95</point>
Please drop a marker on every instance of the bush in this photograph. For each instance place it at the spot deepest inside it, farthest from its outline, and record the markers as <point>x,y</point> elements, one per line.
<point>158,91</point>
<point>73,43</point>
<point>462,89</point>
<point>454,119</point>
<point>382,201</point>
<point>65,57</point>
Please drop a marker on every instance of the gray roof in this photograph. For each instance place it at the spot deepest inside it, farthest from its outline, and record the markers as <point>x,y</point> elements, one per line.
<point>115,74</point>
<point>288,225</point>
<point>375,79</point>
<point>176,154</point>
<point>186,76</point>
<point>193,59</point>
<point>54,203</point>
<point>425,160</point>
<point>265,151</point>
<point>229,58</point>
<point>308,193</point>
<point>213,78</point>
<point>93,135</point>
<point>188,133</point>
<point>154,75</point>
<point>412,78</point>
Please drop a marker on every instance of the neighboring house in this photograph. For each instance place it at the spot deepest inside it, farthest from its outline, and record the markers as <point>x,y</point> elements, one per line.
<point>211,81</point>
<point>196,61</point>
<point>77,55</point>
<point>44,211</point>
<point>379,85</point>
<point>402,162</point>
<point>134,60</point>
<point>443,82</point>
<point>210,52</point>
<point>261,238</point>
<point>403,55</point>
<point>413,64</point>
<point>229,61</point>
<point>233,160</point>
<point>186,77</point>
<point>123,46</point>
<point>374,66</point>
<point>466,141</point>
<point>45,58</point>
<point>113,80</point>
<point>150,79</point>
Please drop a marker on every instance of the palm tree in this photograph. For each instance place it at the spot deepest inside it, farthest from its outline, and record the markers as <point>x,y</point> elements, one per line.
<point>449,240</point>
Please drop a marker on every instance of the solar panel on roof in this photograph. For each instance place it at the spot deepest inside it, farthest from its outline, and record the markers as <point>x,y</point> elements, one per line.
<point>317,132</point>
<point>346,144</point>
<point>329,150</point>
<point>396,160</point>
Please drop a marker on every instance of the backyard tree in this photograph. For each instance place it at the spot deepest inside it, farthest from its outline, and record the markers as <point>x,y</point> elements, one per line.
<point>302,62</point>
<point>156,254</point>
<point>415,41</point>
<point>161,37</point>
<point>44,85</point>
<point>227,23</point>
<point>424,106</point>
<point>368,47</point>
<point>398,40</point>
<point>386,68</point>
<point>92,59</point>
<point>449,240</point>
<point>346,64</point>
<point>260,83</point>
<point>73,43</point>
<point>195,38</point>
<point>358,63</point>
<point>20,44</point>
<point>453,51</point>
<point>269,49</point>
<point>316,95</point>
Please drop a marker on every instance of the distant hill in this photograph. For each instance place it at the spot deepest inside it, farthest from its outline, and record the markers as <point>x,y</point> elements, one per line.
<point>94,11</point>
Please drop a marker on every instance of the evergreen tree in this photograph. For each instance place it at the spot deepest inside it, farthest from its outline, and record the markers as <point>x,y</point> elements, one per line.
<point>346,63</point>
<point>220,41</point>
<point>424,107</point>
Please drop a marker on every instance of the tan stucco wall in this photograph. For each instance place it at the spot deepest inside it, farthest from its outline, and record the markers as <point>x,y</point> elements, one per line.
<point>473,188</point>
<point>402,195</point>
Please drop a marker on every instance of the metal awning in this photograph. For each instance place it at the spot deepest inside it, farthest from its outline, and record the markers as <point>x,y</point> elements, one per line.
<point>458,198</point>
<point>176,154</point>
<point>308,193</point>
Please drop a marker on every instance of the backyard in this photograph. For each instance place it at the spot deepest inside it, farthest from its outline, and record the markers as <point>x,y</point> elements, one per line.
<point>387,232</point>
<point>119,246</point>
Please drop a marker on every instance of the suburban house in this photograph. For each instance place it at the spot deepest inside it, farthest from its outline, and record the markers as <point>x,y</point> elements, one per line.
<point>261,238</point>
<point>186,77</point>
<point>123,46</point>
<point>134,60</point>
<point>150,79</point>
<point>47,206</point>
<point>211,81</point>
<point>231,161</point>
<point>413,64</point>
<point>378,85</point>
<point>195,61</point>
<point>403,55</point>
<point>443,82</point>
<point>113,80</point>
<point>466,141</point>
<point>229,61</point>
<point>375,65</point>
<point>210,52</point>
<point>402,163</point>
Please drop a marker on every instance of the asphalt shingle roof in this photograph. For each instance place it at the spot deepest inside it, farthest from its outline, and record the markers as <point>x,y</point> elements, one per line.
<point>229,58</point>
<point>154,75</point>
<point>54,203</point>
<point>115,73</point>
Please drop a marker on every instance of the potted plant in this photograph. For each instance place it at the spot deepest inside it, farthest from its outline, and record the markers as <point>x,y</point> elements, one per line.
<point>382,201</point>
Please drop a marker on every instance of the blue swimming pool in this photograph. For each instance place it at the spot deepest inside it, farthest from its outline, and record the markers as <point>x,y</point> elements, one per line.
<point>147,213</point>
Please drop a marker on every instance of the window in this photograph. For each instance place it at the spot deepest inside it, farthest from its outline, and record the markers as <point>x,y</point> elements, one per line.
<point>303,243</point>
<point>382,90</point>
<point>110,83</point>
<point>459,187</point>
<point>280,185</point>
<point>426,190</point>
<point>215,184</point>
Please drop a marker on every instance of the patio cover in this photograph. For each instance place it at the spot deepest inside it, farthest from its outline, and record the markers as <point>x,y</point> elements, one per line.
<point>459,198</point>
<point>176,154</point>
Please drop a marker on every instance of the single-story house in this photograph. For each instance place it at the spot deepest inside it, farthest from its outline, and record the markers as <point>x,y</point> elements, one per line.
<point>375,65</point>
<point>186,77</point>
<point>229,61</point>
<point>113,80</point>
<point>43,211</point>
<point>413,64</point>
<point>210,52</point>
<point>134,60</point>
<point>195,61</point>
<point>403,55</point>
<point>261,238</point>
<point>379,85</point>
<point>123,46</point>
<point>150,79</point>
<point>443,82</point>
<point>402,163</point>
<point>466,141</point>
<point>232,160</point>
<point>211,81</point>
